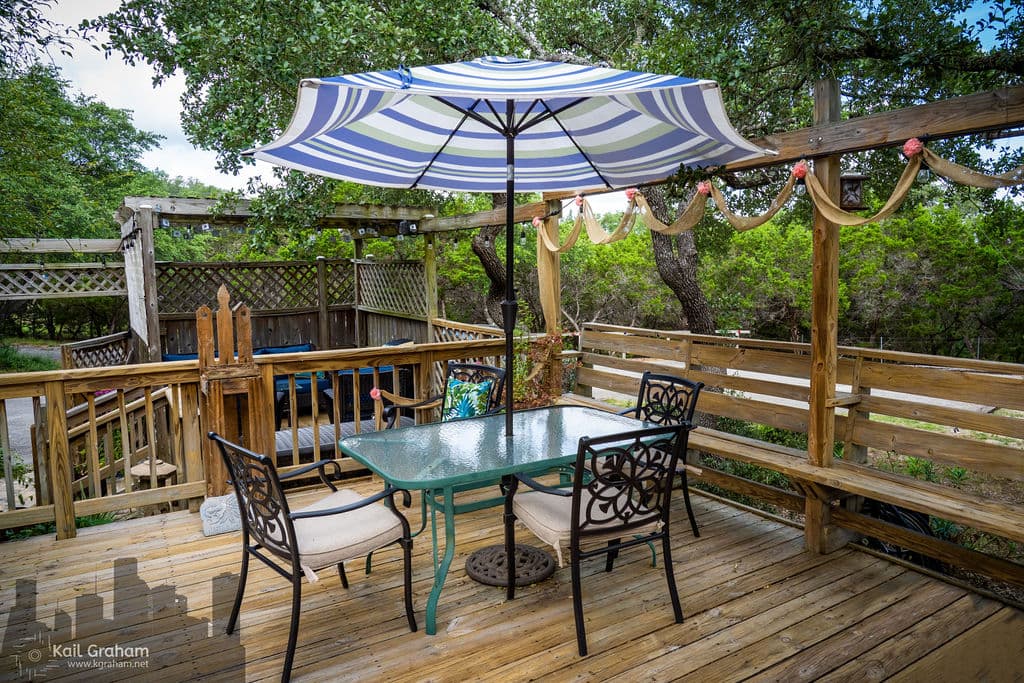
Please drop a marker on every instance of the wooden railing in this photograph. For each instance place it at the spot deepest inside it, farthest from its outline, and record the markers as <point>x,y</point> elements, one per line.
<point>912,429</point>
<point>946,420</point>
<point>81,468</point>
<point>101,352</point>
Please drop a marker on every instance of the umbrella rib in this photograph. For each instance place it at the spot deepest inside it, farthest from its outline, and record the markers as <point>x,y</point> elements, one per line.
<point>440,149</point>
<point>568,135</point>
<point>470,113</point>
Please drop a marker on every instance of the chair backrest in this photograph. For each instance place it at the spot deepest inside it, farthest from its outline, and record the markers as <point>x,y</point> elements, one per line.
<point>261,498</point>
<point>627,478</point>
<point>471,374</point>
<point>666,399</point>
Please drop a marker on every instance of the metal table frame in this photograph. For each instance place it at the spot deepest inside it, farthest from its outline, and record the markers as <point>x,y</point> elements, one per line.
<point>443,458</point>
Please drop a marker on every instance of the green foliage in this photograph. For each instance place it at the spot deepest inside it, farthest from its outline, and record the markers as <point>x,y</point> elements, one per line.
<point>13,361</point>
<point>26,34</point>
<point>920,468</point>
<point>956,476</point>
<point>65,161</point>
<point>51,527</point>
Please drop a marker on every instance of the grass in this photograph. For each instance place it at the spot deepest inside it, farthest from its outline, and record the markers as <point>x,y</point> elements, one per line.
<point>11,360</point>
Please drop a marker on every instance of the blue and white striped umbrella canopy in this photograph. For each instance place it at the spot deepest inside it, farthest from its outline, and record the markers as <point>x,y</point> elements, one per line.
<point>448,127</point>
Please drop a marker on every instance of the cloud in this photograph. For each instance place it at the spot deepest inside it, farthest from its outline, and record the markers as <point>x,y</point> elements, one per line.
<point>154,109</point>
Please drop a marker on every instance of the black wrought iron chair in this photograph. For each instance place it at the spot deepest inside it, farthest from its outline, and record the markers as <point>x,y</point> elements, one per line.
<point>620,496</point>
<point>469,390</point>
<point>340,526</point>
<point>667,399</point>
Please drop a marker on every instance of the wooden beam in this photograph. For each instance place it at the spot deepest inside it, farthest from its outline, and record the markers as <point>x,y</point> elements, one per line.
<point>70,245</point>
<point>977,113</point>
<point>524,213</point>
<point>183,207</point>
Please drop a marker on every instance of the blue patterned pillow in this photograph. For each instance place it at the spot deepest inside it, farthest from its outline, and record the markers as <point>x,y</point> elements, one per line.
<point>465,399</point>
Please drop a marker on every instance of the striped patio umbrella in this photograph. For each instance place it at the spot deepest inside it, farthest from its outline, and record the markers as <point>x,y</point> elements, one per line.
<point>502,124</point>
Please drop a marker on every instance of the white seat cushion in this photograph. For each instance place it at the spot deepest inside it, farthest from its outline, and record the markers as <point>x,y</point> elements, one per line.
<point>332,539</point>
<point>549,517</point>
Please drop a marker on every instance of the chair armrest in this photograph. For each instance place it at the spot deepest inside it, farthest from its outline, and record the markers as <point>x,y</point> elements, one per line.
<point>388,492</point>
<point>627,411</point>
<point>318,465</point>
<point>403,402</point>
<point>543,488</point>
<point>392,412</point>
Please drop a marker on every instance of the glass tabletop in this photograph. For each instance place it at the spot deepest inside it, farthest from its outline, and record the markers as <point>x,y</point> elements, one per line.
<point>476,449</point>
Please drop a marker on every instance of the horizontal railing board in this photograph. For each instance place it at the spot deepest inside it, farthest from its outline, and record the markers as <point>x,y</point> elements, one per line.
<point>950,504</point>
<point>951,450</point>
<point>748,385</point>
<point>944,415</point>
<point>633,365</point>
<point>633,345</point>
<point>961,385</point>
<point>775,415</point>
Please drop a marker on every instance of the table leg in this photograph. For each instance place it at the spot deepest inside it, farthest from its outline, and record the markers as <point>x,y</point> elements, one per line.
<point>441,569</point>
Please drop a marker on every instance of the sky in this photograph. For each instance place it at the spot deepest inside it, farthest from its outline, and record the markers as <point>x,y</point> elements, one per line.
<point>155,109</point>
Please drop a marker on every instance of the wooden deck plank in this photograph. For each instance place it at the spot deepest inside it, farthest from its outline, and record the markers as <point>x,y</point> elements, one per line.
<point>993,650</point>
<point>810,663</point>
<point>755,603</point>
<point>895,654</point>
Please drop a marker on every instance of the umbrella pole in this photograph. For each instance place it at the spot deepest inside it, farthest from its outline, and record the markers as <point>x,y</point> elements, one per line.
<point>509,306</point>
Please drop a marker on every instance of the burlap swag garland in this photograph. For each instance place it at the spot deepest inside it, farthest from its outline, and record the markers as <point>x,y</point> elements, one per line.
<point>914,150</point>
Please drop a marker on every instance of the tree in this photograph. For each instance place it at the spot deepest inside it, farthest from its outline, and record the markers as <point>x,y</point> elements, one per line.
<point>243,58</point>
<point>65,161</point>
<point>25,34</point>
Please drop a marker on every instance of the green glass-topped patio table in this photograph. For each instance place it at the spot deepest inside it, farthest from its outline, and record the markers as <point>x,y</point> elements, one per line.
<point>444,457</point>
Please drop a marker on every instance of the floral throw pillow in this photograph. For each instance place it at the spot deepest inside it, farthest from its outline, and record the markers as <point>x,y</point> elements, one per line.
<point>465,399</point>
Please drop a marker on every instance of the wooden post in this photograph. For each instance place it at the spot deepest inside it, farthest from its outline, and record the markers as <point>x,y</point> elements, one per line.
<point>192,439</point>
<point>819,535</point>
<point>430,284</point>
<point>360,342</point>
<point>323,328</point>
<point>60,460</point>
<point>140,278</point>
<point>227,383</point>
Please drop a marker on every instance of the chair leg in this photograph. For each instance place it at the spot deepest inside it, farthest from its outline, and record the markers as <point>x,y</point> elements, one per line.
<point>670,576</point>
<point>406,544</point>
<point>341,575</point>
<point>293,630</point>
<point>243,574</point>
<point>689,508</point>
<point>577,604</point>
<point>613,553</point>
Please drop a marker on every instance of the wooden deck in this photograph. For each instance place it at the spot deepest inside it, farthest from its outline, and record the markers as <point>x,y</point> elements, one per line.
<point>757,608</point>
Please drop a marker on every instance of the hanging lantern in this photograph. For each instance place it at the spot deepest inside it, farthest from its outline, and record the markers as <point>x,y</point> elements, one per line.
<point>851,191</point>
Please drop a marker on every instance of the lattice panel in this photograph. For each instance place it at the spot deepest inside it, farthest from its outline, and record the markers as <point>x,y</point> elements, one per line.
<point>184,287</point>
<point>66,280</point>
<point>398,287</point>
<point>341,282</point>
<point>103,355</point>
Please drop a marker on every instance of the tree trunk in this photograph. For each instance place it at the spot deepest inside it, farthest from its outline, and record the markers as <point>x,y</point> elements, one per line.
<point>676,258</point>
<point>485,248</point>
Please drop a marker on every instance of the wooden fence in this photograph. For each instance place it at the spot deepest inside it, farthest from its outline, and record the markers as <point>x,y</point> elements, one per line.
<point>331,303</point>
<point>949,421</point>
